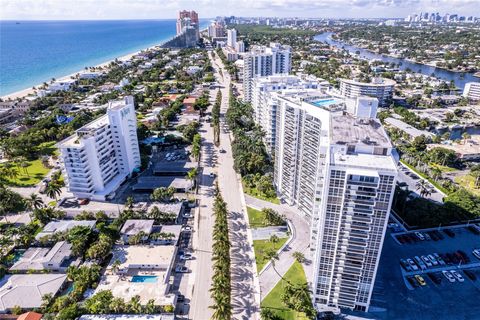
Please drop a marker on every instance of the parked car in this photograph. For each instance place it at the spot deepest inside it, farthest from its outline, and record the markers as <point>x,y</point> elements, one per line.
<point>420,262</point>
<point>405,265</point>
<point>187,215</point>
<point>412,281</point>
<point>420,236</point>
<point>433,260</point>
<point>420,280</point>
<point>449,276</point>
<point>181,269</point>
<point>212,175</point>
<point>449,233</point>
<point>180,298</point>
<point>427,261</point>
<point>83,202</point>
<point>427,236</point>
<point>412,264</point>
<point>476,253</point>
<point>222,151</point>
<point>186,256</point>
<point>439,259</point>
<point>457,275</point>
<point>187,228</point>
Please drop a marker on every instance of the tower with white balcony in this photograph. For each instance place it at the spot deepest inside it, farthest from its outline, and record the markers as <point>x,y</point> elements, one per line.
<point>334,163</point>
<point>103,153</point>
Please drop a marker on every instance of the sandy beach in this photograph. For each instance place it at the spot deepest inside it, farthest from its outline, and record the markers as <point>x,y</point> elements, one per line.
<point>30,91</point>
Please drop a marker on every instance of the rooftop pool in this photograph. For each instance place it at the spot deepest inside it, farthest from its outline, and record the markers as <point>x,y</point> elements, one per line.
<point>147,279</point>
<point>324,102</point>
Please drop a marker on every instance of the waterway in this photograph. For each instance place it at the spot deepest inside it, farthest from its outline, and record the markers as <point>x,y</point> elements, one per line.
<point>460,79</point>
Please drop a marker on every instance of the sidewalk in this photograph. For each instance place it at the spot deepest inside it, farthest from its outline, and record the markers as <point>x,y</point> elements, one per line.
<point>300,242</point>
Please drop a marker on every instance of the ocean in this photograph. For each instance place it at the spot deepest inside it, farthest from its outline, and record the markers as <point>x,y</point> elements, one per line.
<point>33,52</point>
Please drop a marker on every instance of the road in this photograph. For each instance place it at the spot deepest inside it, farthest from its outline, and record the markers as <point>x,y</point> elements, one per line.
<point>411,179</point>
<point>245,286</point>
<point>202,241</point>
<point>300,242</point>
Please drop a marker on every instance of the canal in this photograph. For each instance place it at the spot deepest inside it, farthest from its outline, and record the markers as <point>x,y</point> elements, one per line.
<point>460,79</point>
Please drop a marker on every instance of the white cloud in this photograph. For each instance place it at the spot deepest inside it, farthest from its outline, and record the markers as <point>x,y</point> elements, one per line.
<point>163,9</point>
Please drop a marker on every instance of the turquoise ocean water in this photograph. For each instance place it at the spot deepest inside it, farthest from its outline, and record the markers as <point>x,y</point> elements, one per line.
<point>32,52</point>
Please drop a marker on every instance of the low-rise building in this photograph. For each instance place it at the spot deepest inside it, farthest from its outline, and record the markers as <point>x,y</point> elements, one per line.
<point>61,85</point>
<point>380,88</point>
<point>57,258</point>
<point>166,316</point>
<point>133,227</point>
<point>140,270</point>
<point>27,290</point>
<point>54,227</point>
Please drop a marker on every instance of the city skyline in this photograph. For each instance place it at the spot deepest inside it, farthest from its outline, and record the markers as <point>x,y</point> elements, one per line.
<point>155,9</point>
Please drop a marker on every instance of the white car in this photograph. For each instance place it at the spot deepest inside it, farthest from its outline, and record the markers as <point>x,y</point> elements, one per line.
<point>187,228</point>
<point>186,256</point>
<point>187,215</point>
<point>476,253</point>
<point>432,258</point>
<point>449,276</point>
<point>427,261</point>
<point>420,235</point>
<point>212,175</point>
<point>457,275</point>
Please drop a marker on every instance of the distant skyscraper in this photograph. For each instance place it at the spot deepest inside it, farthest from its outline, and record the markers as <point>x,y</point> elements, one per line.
<point>231,38</point>
<point>186,19</point>
<point>265,61</point>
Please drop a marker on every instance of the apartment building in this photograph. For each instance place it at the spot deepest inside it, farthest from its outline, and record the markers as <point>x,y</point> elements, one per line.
<point>334,162</point>
<point>103,153</point>
<point>472,91</point>
<point>379,88</point>
<point>264,61</point>
<point>231,38</point>
<point>264,104</point>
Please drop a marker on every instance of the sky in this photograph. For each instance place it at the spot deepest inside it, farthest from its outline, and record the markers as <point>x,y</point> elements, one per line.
<point>167,9</point>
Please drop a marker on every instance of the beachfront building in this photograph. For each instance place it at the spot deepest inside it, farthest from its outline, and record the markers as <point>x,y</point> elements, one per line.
<point>472,91</point>
<point>103,153</point>
<point>334,163</point>
<point>380,88</point>
<point>264,103</point>
<point>265,61</point>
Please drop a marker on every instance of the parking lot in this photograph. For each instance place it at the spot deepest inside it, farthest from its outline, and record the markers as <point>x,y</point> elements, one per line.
<point>394,297</point>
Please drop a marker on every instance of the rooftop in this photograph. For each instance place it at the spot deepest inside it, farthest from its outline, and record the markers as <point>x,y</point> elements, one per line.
<point>347,129</point>
<point>135,226</point>
<point>63,225</point>
<point>411,131</point>
<point>137,255</point>
<point>27,290</point>
<point>36,258</point>
<point>377,82</point>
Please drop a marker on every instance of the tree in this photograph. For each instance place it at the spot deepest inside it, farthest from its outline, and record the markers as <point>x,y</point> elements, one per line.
<point>267,314</point>
<point>465,137</point>
<point>297,297</point>
<point>129,202</point>
<point>272,255</point>
<point>192,175</point>
<point>53,190</point>
<point>299,256</point>
<point>424,187</point>
<point>33,201</point>
<point>162,194</point>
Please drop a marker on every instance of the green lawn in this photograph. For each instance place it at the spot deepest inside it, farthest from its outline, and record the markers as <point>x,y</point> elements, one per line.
<point>261,247</point>
<point>254,193</point>
<point>442,168</point>
<point>35,172</point>
<point>255,218</point>
<point>468,182</point>
<point>273,300</point>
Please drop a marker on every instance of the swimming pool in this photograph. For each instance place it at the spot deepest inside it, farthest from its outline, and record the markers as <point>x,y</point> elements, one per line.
<point>324,102</point>
<point>147,279</point>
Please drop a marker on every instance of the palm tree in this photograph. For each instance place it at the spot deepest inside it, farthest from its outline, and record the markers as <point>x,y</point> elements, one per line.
<point>116,265</point>
<point>191,175</point>
<point>53,190</point>
<point>465,137</point>
<point>300,257</point>
<point>129,203</point>
<point>34,202</point>
<point>272,255</point>
<point>134,304</point>
<point>424,188</point>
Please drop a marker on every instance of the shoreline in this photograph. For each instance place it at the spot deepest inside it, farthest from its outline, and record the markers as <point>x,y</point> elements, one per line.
<point>474,73</point>
<point>29,91</point>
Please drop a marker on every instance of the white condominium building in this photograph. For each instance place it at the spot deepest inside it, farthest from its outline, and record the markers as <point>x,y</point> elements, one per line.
<point>231,38</point>
<point>103,153</point>
<point>380,88</point>
<point>472,91</point>
<point>334,162</point>
<point>264,103</point>
<point>265,61</point>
